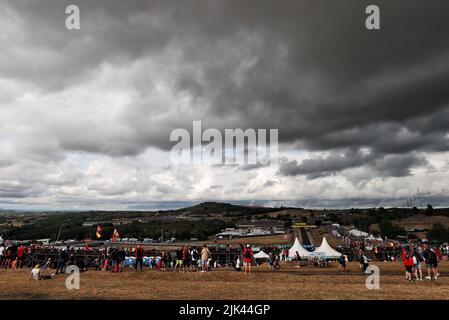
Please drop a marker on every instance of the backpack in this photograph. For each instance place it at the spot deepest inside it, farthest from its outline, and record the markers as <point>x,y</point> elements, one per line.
<point>247,254</point>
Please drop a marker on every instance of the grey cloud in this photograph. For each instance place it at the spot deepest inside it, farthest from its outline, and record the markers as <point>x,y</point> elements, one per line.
<point>394,165</point>
<point>269,183</point>
<point>247,167</point>
<point>309,69</point>
<point>305,68</point>
<point>398,165</point>
<point>317,167</point>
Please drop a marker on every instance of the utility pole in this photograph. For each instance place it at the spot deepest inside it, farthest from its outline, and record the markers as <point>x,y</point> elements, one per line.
<point>59,232</point>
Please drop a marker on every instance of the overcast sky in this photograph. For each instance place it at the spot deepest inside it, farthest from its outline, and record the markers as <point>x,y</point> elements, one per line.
<point>86,115</point>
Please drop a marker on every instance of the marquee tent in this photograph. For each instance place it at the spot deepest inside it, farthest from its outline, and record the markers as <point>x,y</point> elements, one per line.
<point>261,255</point>
<point>129,261</point>
<point>303,253</point>
<point>358,233</point>
<point>325,250</point>
<point>371,237</point>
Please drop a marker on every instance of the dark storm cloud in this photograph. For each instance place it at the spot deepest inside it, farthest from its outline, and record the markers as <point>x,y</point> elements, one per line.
<point>382,165</point>
<point>309,68</point>
<point>398,165</point>
<point>319,166</point>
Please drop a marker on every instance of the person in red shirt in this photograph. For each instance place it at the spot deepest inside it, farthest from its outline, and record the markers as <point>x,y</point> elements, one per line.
<point>408,264</point>
<point>247,258</point>
<point>20,254</point>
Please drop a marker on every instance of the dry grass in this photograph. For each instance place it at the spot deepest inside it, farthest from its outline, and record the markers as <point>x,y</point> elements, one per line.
<point>295,212</point>
<point>288,283</point>
<point>422,221</point>
<point>418,221</point>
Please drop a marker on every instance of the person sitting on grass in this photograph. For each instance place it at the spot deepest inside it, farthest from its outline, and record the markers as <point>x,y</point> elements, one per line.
<point>36,274</point>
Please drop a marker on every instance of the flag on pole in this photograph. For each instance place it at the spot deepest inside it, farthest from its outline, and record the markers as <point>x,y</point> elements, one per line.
<point>99,229</point>
<point>115,235</point>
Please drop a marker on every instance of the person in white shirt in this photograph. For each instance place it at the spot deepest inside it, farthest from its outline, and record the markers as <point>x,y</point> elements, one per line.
<point>2,251</point>
<point>35,273</point>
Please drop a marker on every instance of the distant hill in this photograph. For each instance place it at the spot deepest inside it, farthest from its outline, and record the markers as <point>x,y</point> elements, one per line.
<point>223,210</point>
<point>200,220</point>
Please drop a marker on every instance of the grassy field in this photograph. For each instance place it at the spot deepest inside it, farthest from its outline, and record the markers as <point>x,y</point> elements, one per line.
<point>287,283</point>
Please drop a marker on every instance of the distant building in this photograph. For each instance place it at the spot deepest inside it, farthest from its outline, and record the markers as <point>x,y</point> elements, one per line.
<point>264,225</point>
<point>95,223</point>
<point>252,229</point>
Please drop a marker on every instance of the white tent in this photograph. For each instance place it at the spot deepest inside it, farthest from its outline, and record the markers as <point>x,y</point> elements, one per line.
<point>371,237</point>
<point>358,233</point>
<point>325,250</point>
<point>303,253</point>
<point>261,255</point>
